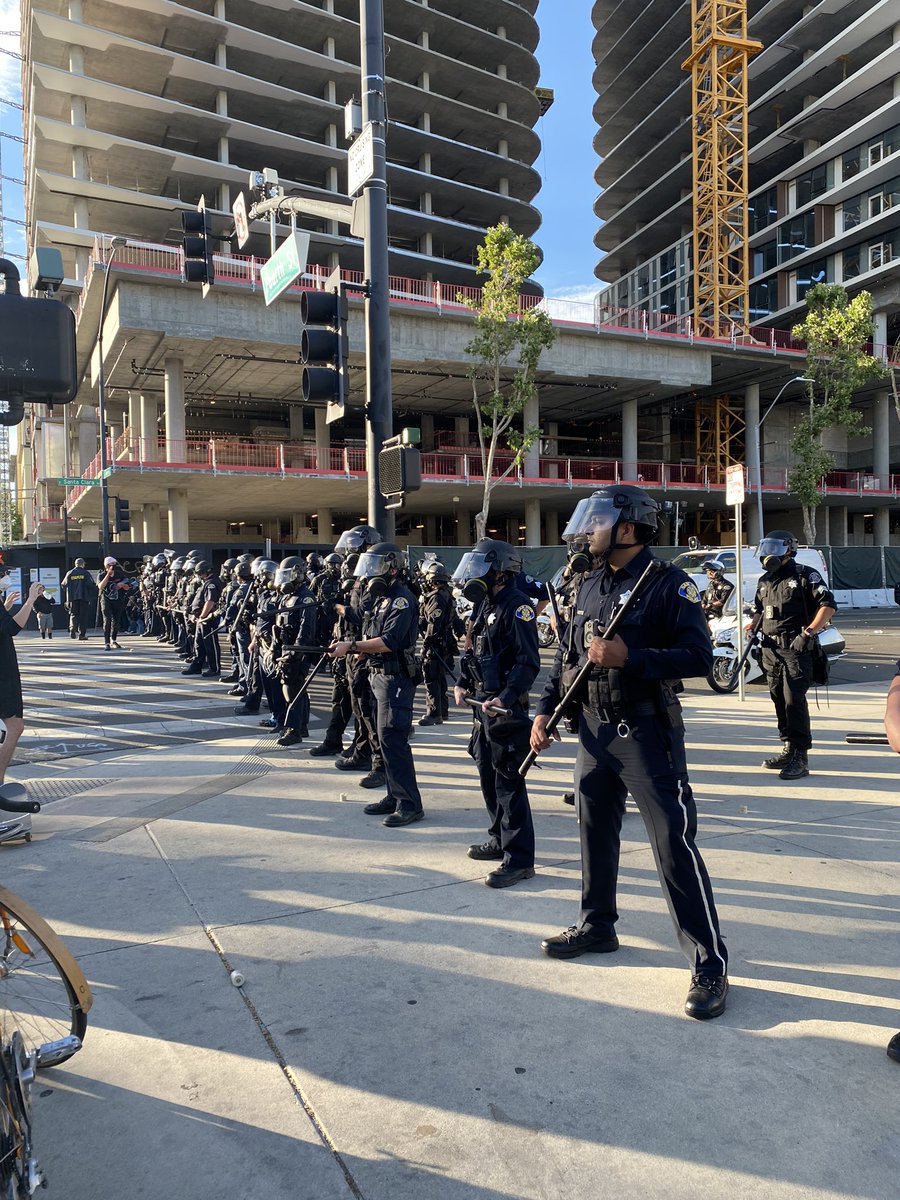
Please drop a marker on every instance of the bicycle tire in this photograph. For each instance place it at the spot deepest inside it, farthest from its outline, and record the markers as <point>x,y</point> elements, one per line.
<point>43,991</point>
<point>20,1173</point>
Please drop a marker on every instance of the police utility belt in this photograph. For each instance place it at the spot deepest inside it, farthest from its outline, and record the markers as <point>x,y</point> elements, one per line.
<point>402,663</point>
<point>781,640</point>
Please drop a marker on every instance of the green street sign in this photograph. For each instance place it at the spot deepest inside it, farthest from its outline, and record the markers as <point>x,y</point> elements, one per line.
<point>288,261</point>
<point>78,483</point>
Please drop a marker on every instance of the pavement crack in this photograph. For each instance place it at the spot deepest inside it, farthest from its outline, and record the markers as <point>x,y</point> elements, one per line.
<point>267,1036</point>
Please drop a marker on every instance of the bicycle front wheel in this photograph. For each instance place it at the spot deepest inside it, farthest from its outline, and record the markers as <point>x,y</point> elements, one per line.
<point>43,992</point>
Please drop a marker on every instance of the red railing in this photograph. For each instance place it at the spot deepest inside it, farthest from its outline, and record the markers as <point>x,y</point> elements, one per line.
<point>300,459</point>
<point>241,269</point>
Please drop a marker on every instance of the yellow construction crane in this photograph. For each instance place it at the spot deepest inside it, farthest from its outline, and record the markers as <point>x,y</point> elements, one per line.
<point>720,52</point>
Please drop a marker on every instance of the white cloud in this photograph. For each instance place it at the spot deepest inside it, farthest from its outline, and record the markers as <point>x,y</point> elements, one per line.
<point>10,68</point>
<point>580,293</point>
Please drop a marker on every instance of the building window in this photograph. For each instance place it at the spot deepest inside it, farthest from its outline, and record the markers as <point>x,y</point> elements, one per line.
<point>852,266</point>
<point>763,298</point>
<point>880,254</point>
<point>813,183</point>
<point>810,275</point>
<point>668,268</point>
<point>852,162</point>
<point>765,258</point>
<point>763,210</point>
<point>795,236</point>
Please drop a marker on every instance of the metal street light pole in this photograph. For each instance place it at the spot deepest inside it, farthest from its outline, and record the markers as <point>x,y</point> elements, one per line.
<point>379,405</point>
<point>115,244</point>
<point>759,425</point>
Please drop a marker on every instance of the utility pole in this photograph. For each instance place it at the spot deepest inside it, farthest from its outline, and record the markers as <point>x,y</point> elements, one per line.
<point>379,403</point>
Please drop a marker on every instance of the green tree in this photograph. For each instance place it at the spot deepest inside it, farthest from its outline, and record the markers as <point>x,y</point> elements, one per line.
<point>836,331</point>
<point>506,336</point>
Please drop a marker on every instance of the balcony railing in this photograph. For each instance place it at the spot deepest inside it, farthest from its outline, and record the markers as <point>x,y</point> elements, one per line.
<point>240,269</point>
<point>232,456</point>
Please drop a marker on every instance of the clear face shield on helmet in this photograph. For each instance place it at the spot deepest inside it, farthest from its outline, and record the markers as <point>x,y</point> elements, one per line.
<point>376,568</point>
<point>772,553</point>
<point>594,514</point>
<point>285,579</point>
<point>473,576</point>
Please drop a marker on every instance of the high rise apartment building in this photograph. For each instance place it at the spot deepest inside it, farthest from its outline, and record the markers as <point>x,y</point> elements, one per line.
<point>134,110</point>
<point>824,157</point>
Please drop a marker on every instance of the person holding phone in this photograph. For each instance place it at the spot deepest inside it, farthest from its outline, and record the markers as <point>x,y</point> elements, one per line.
<point>11,707</point>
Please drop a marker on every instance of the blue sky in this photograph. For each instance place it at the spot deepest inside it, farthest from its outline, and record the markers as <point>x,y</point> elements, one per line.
<point>566,164</point>
<point>568,161</point>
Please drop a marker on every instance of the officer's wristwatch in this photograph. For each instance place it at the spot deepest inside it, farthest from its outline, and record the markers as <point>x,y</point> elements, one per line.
<point>352,649</point>
<point>809,632</point>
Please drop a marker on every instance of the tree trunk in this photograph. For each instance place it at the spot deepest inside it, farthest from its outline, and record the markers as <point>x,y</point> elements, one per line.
<point>481,520</point>
<point>809,524</point>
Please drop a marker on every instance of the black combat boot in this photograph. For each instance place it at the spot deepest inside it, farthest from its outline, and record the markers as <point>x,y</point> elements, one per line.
<point>777,761</point>
<point>796,766</point>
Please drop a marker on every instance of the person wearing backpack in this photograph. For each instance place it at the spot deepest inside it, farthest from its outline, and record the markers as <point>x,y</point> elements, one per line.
<point>793,604</point>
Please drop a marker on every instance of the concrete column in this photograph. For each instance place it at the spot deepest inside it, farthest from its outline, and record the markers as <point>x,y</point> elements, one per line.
<point>427,425</point>
<point>531,466</point>
<point>175,420</point>
<point>178,515</point>
<point>629,439</point>
<point>148,427</point>
<point>837,525</point>
<point>323,440</point>
<point>461,426</point>
<point>463,527</point>
<point>134,414</point>
<point>295,417</point>
<point>532,522</point>
<point>881,437</point>
<point>150,522</point>
<point>551,528</point>
<point>88,442</point>
<point>326,525</point>
<point>881,335</point>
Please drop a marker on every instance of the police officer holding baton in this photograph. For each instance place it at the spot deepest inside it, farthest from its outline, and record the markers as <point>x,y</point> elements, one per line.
<point>631,735</point>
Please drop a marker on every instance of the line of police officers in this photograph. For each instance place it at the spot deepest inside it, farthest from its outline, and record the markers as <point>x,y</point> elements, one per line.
<point>361,610</point>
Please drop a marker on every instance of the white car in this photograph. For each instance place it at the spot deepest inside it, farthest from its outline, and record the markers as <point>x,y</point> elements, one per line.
<point>692,562</point>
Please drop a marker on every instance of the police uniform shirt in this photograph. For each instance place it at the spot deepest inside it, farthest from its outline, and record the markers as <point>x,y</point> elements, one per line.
<point>504,638</point>
<point>437,608</point>
<point>266,611</point>
<point>210,589</point>
<point>788,600</point>
<point>719,590</point>
<point>298,618</point>
<point>665,631</point>
<point>533,588</point>
<point>395,619</point>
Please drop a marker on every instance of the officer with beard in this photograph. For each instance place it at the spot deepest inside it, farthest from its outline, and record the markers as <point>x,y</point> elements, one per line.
<point>631,736</point>
<point>793,604</point>
<point>389,650</point>
<point>499,671</point>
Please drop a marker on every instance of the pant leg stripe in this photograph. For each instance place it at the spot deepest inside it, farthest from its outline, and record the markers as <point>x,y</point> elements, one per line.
<point>712,929</point>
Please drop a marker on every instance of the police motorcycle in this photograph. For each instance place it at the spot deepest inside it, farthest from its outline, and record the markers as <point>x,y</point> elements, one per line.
<point>724,676</point>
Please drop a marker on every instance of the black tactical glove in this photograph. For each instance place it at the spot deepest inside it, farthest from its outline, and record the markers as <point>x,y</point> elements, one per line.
<point>800,643</point>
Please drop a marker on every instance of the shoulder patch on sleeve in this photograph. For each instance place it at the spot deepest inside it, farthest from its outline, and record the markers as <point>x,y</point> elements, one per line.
<point>309,599</point>
<point>401,602</point>
<point>688,591</point>
<point>815,577</point>
<point>525,612</point>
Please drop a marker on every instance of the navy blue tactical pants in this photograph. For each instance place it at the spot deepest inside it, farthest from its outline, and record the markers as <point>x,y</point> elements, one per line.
<point>650,763</point>
<point>789,676</point>
<point>506,800</point>
<point>394,695</point>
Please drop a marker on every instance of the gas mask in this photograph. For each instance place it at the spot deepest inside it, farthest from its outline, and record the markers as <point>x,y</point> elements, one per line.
<point>579,558</point>
<point>377,587</point>
<point>475,590</point>
<point>772,564</point>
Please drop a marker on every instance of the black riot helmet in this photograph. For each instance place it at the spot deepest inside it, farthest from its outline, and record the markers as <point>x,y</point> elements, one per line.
<point>264,569</point>
<point>485,566</point>
<point>435,573</point>
<point>357,539</point>
<point>292,560</point>
<point>243,570</point>
<point>202,567</point>
<point>776,548</point>
<point>378,565</point>
<point>159,560</point>
<point>227,567</point>
<point>332,563</point>
<point>606,509</point>
<point>288,577</point>
<point>245,558</point>
<point>314,562</point>
<point>195,554</point>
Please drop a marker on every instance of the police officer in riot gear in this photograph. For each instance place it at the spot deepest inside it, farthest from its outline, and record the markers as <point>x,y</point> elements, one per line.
<point>295,625</point>
<point>498,672</point>
<point>793,604</point>
<point>441,630</point>
<point>632,735</point>
<point>578,561</point>
<point>718,589</point>
<point>390,651</point>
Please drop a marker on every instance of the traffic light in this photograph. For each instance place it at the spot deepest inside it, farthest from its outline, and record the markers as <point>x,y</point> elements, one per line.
<point>400,467</point>
<point>325,348</point>
<point>123,516</point>
<point>198,251</point>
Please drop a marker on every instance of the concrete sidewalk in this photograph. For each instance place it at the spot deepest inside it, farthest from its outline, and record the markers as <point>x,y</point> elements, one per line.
<point>400,1036</point>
